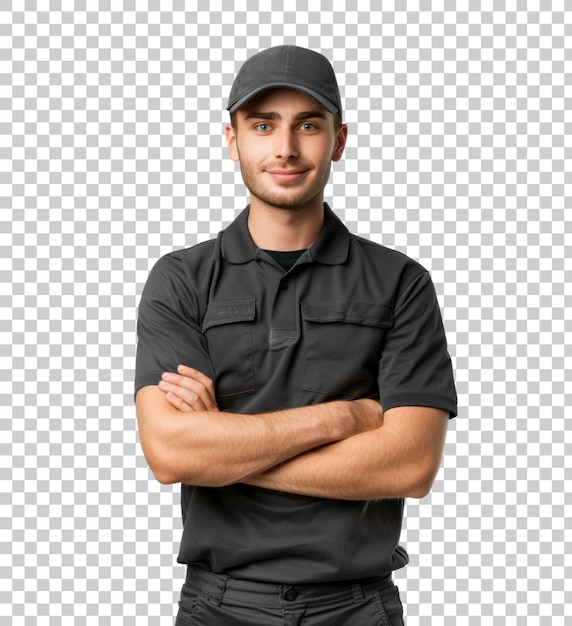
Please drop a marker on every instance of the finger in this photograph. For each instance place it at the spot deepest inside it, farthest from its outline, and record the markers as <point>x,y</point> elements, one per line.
<point>195,381</point>
<point>206,383</point>
<point>183,381</point>
<point>184,394</point>
<point>188,379</point>
<point>179,404</point>
<point>183,386</point>
<point>197,375</point>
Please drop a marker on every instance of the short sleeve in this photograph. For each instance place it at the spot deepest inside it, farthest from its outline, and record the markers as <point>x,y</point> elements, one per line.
<point>415,367</point>
<point>169,325</point>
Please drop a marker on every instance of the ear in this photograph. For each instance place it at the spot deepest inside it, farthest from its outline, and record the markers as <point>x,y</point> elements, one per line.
<point>231,142</point>
<point>341,139</point>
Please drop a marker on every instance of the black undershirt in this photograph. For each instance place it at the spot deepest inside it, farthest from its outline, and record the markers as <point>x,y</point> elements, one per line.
<point>285,258</point>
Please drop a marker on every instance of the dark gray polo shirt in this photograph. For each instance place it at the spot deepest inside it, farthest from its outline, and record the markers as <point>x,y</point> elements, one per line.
<point>351,319</point>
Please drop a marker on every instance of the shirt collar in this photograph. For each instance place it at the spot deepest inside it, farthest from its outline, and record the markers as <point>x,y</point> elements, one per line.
<point>331,247</point>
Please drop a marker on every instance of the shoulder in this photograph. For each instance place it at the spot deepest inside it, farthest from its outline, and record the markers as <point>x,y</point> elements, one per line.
<point>181,270</point>
<point>193,254</point>
<point>396,274</point>
<point>387,260</point>
<point>180,260</point>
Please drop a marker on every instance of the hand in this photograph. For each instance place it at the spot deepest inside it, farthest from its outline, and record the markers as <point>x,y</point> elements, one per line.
<point>189,390</point>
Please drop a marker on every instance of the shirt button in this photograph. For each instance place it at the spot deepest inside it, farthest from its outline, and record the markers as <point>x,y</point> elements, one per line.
<point>284,286</point>
<point>290,595</point>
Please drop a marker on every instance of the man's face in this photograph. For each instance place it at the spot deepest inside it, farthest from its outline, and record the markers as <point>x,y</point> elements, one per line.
<point>285,143</point>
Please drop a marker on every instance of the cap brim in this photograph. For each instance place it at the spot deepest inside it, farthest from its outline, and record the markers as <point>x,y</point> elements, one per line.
<point>329,106</point>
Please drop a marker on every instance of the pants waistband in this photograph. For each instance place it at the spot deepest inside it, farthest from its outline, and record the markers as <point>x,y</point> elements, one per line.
<point>219,586</point>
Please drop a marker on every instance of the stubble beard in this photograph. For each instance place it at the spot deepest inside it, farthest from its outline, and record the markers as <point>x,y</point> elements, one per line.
<point>288,200</point>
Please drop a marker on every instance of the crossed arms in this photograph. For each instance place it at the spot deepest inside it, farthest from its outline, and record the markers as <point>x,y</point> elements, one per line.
<point>342,449</point>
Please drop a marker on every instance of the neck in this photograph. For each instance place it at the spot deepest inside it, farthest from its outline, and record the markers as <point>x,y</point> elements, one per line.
<point>278,229</point>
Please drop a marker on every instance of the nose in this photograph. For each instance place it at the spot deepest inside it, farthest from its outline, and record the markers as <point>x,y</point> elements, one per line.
<point>286,146</point>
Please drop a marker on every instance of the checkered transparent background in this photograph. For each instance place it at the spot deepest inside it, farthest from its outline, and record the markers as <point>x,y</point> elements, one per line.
<point>112,154</point>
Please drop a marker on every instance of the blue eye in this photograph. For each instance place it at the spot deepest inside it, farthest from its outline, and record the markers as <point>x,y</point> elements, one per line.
<point>262,127</point>
<point>308,126</point>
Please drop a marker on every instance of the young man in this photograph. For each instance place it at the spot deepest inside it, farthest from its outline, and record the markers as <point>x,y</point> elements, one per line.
<point>293,377</point>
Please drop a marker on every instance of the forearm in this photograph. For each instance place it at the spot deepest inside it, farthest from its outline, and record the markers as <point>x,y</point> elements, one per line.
<point>212,448</point>
<point>382,463</point>
<point>346,470</point>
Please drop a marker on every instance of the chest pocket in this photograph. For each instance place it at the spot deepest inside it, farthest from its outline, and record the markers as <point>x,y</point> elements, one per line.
<point>227,327</point>
<point>343,342</point>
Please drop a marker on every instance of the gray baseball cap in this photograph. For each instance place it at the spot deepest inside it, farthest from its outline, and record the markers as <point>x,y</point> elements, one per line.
<point>289,67</point>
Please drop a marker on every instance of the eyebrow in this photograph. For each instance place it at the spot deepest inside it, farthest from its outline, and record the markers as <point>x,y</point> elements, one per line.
<point>305,115</point>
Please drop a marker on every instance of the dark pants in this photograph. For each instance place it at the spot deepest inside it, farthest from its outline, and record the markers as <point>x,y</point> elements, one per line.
<point>211,600</point>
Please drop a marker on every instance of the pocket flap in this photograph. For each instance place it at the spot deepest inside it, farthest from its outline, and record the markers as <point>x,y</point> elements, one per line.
<point>349,312</point>
<point>229,312</point>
